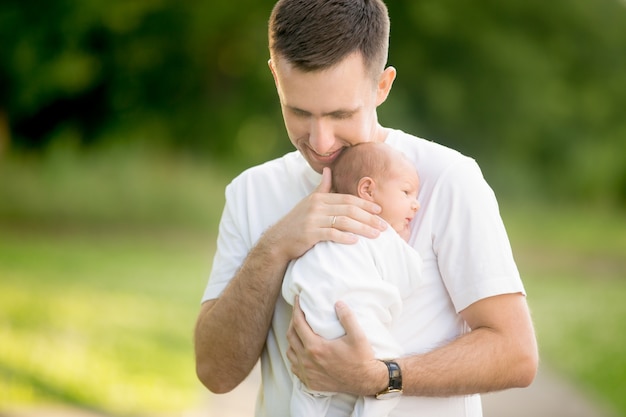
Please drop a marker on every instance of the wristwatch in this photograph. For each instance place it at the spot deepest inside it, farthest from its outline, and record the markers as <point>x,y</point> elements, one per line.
<point>394,388</point>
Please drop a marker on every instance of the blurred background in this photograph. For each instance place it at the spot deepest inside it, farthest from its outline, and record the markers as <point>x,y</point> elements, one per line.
<point>122,121</point>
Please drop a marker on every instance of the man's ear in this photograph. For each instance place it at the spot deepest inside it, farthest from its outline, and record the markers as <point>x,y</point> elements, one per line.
<point>270,64</point>
<point>365,188</point>
<point>384,85</point>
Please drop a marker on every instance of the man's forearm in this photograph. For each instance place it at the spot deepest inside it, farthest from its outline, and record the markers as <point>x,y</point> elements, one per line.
<point>231,330</point>
<point>499,353</point>
<point>460,369</point>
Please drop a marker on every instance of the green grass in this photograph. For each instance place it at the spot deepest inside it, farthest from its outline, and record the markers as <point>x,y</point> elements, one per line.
<point>104,257</point>
<point>103,322</point>
<point>580,327</point>
<point>574,266</point>
<point>103,260</point>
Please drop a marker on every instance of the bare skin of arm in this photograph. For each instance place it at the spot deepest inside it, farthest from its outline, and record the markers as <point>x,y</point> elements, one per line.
<point>499,353</point>
<point>231,331</point>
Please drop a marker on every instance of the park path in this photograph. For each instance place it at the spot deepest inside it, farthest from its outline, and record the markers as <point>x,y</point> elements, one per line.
<point>549,396</point>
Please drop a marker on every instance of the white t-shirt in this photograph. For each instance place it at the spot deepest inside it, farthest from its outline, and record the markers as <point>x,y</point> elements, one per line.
<point>458,232</point>
<point>372,277</point>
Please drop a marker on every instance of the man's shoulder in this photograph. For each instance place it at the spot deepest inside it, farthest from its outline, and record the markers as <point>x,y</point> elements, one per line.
<point>287,168</point>
<point>421,149</point>
<point>277,184</point>
<point>431,159</point>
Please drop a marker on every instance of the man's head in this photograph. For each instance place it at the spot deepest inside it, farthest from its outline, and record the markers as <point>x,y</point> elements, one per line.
<point>328,61</point>
<point>378,173</point>
<point>317,34</point>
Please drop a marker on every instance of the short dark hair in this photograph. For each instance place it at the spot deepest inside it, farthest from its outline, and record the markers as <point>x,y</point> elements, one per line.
<point>318,34</point>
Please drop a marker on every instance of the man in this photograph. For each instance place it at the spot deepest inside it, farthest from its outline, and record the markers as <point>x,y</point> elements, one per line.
<point>468,332</point>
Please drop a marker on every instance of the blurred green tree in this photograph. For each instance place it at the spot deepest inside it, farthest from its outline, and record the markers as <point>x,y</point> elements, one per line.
<point>527,86</point>
<point>533,89</point>
<point>184,73</point>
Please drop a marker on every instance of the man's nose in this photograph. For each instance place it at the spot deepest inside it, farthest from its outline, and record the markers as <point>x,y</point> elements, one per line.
<point>321,138</point>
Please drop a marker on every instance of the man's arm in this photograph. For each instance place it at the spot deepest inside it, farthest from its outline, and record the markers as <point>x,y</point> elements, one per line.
<point>499,353</point>
<point>231,331</point>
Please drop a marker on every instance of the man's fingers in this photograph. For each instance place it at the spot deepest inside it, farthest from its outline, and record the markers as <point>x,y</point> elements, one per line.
<point>297,327</point>
<point>348,321</point>
<point>362,224</point>
<point>292,333</point>
<point>326,183</point>
<point>300,326</point>
<point>341,217</point>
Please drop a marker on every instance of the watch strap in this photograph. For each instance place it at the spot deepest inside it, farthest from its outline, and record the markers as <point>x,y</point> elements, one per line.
<point>394,387</point>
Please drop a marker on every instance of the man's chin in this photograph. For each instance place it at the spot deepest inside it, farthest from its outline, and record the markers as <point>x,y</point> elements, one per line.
<point>317,165</point>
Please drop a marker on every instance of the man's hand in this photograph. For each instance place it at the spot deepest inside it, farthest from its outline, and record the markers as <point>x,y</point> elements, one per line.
<point>324,216</point>
<point>346,364</point>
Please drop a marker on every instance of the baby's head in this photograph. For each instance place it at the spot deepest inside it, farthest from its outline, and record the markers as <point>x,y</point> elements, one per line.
<point>377,172</point>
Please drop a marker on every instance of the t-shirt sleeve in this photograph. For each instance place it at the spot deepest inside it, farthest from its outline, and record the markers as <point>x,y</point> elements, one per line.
<point>232,247</point>
<point>473,250</point>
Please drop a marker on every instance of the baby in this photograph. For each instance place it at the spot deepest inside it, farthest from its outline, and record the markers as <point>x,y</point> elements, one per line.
<point>371,276</point>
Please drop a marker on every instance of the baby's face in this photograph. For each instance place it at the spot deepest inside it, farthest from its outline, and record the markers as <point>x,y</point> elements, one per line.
<point>397,195</point>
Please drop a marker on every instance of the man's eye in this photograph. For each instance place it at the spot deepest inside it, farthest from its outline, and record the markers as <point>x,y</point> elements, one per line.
<point>299,113</point>
<point>343,116</point>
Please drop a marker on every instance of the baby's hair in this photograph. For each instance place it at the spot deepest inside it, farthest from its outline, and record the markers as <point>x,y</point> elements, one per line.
<point>368,159</point>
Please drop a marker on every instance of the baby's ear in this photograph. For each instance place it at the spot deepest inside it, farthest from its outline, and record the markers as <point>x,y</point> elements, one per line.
<point>365,188</point>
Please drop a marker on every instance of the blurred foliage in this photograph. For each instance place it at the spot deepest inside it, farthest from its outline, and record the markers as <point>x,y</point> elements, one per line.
<point>534,90</point>
<point>128,188</point>
<point>527,86</point>
<point>188,73</point>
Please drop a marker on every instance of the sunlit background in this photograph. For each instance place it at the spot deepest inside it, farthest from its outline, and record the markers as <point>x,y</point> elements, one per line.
<point>122,121</point>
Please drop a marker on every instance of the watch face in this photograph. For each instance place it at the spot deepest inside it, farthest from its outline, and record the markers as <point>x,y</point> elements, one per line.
<point>389,394</point>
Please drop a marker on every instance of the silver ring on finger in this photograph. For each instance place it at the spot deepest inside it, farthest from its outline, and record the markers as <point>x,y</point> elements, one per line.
<point>332,223</point>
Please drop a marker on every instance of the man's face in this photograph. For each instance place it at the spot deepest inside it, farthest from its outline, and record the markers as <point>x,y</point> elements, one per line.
<point>327,111</point>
